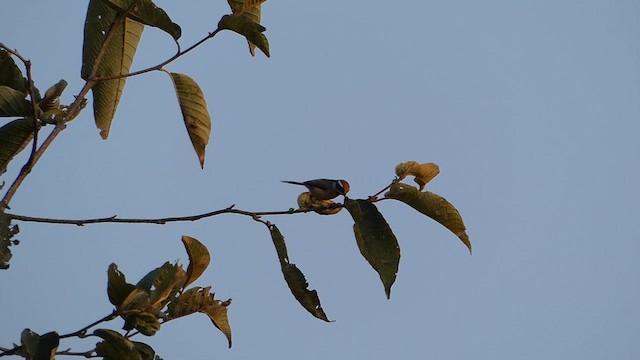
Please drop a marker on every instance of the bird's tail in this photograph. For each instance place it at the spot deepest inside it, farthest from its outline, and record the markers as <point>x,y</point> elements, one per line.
<point>293,182</point>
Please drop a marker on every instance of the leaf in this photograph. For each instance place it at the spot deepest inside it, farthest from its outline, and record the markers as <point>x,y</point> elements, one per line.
<point>39,347</point>
<point>148,13</point>
<point>115,346</point>
<point>432,205</point>
<point>117,288</point>
<point>51,99</point>
<point>10,74</point>
<point>7,232</point>
<point>423,172</point>
<point>194,112</point>
<point>13,103</point>
<point>376,241</point>
<point>295,278</point>
<point>14,137</point>
<point>217,313</point>
<point>201,300</point>
<point>199,258</point>
<point>117,59</point>
<point>160,283</point>
<point>251,9</point>
<point>248,28</point>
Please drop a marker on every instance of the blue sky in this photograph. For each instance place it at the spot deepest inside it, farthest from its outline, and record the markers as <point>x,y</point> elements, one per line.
<point>529,108</point>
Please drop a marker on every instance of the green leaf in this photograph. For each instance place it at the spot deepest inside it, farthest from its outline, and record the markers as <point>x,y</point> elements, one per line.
<point>13,103</point>
<point>245,26</point>
<point>115,346</point>
<point>117,288</point>
<point>376,241</point>
<point>194,112</point>
<point>199,258</point>
<point>7,232</point>
<point>39,347</point>
<point>10,74</point>
<point>148,13</point>
<point>432,205</point>
<point>117,59</point>
<point>199,299</point>
<point>251,9</point>
<point>14,137</point>
<point>295,278</point>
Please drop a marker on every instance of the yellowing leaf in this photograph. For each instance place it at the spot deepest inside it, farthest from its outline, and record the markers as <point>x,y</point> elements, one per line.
<point>432,205</point>
<point>423,172</point>
<point>322,207</point>
<point>194,112</point>
<point>295,279</point>
<point>376,240</point>
<point>14,137</point>
<point>251,9</point>
<point>117,59</point>
<point>245,26</point>
<point>199,258</point>
<point>201,300</point>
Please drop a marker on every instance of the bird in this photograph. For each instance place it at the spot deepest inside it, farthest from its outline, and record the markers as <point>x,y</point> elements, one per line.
<point>323,189</point>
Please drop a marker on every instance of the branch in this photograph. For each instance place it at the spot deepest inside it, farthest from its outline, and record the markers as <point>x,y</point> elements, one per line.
<point>160,221</point>
<point>73,110</point>
<point>162,64</point>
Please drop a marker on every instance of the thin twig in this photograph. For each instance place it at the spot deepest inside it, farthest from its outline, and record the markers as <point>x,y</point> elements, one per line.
<point>159,221</point>
<point>162,64</point>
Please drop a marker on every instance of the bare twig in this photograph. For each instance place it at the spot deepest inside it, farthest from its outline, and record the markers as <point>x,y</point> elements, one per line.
<point>159,221</point>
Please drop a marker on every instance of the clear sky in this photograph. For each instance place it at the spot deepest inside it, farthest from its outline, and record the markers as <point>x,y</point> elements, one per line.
<point>530,108</point>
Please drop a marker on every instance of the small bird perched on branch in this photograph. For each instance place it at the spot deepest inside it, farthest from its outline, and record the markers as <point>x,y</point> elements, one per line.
<point>324,189</point>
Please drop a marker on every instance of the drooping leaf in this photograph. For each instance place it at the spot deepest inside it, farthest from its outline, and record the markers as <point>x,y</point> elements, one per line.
<point>251,9</point>
<point>295,278</point>
<point>146,12</point>
<point>7,232</point>
<point>13,103</point>
<point>146,352</point>
<point>423,172</point>
<point>10,74</point>
<point>147,322</point>
<point>14,137</point>
<point>117,288</point>
<point>217,313</point>
<point>194,112</point>
<point>248,28</point>
<point>117,59</point>
<point>115,346</point>
<point>432,205</point>
<point>199,299</point>
<point>376,241</point>
<point>39,347</point>
<point>199,258</point>
<point>51,99</point>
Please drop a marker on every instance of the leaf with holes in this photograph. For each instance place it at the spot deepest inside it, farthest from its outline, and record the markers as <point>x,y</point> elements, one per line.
<point>194,112</point>
<point>295,278</point>
<point>432,205</point>
<point>117,59</point>
<point>376,240</point>
<point>14,137</point>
